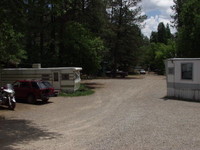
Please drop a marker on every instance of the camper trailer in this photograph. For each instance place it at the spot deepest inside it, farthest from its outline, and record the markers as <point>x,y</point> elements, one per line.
<point>183,78</point>
<point>62,78</point>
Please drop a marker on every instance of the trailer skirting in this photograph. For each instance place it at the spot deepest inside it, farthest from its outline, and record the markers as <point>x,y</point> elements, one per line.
<point>184,91</point>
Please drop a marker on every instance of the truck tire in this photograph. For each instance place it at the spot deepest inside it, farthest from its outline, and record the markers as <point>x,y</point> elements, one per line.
<point>45,100</point>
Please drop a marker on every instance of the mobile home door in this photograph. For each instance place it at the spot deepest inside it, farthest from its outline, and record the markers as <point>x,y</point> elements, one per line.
<point>56,80</point>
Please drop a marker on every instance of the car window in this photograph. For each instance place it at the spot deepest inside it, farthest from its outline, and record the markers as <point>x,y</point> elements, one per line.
<point>24,85</point>
<point>35,85</point>
<point>41,85</point>
<point>47,84</point>
<point>16,84</point>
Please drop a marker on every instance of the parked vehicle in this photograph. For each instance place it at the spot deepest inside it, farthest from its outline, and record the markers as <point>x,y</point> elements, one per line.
<point>52,91</point>
<point>142,71</point>
<point>31,90</point>
<point>117,73</point>
<point>7,97</point>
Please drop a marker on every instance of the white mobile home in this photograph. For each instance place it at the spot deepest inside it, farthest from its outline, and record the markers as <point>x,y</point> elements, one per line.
<point>62,78</point>
<point>183,78</point>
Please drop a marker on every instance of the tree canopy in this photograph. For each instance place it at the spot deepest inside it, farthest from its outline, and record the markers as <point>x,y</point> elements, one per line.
<point>187,21</point>
<point>84,33</point>
<point>161,47</point>
<point>124,35</point>
<point>93,34</point>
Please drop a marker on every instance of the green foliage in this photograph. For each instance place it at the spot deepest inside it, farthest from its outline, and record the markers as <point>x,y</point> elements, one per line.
<point>168,32</point>
<point>162,35</point>
<point>82,91</point>
<point>81,48</point>
<point>188,42</point>
<point>124,36</point>
<point>163,52</point>
<point>154,37</point>
<point>161,47</point>
<point>177,8</point>
<point>11,50</point>
<point>94,15</point>
<point>11,33</point>
<point>156,53</point>
<point>85,33</point>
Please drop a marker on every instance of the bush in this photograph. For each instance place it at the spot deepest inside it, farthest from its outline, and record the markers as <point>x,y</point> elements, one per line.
<point>82,91</point>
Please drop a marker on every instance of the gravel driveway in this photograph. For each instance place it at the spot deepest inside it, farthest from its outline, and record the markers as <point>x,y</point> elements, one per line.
<point>123,114</point>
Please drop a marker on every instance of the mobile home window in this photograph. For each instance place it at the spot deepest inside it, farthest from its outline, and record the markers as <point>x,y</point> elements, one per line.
<point>187,71</point>
<point>65,76</point>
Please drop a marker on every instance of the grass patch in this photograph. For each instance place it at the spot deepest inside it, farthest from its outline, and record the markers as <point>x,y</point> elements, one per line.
<point>82,91</point>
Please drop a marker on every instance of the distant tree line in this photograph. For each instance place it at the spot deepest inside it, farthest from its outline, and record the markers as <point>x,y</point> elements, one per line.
<point>184,43</point>
<point>160,47</point>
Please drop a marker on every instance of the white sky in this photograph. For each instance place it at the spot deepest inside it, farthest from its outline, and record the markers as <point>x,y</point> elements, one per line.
<point>157,11</point>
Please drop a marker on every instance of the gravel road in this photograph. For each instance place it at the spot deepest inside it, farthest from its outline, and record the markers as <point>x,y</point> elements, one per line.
<point>123,114</point>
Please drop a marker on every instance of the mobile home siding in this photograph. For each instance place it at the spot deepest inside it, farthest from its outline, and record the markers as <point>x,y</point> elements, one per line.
<point>66,76</point>
<point>178,87</point>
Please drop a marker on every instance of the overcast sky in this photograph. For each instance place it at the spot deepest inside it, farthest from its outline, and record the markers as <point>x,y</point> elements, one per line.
<point>157,11</point>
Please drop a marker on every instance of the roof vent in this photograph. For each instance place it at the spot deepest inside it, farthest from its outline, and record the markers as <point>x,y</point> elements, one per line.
<point>36,66</point>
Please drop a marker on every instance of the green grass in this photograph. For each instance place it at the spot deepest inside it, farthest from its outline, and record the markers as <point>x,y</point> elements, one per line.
<point>82,91</point>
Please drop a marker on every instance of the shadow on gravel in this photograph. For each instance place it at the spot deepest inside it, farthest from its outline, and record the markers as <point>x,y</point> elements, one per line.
<point>119,78</point>
<point>129,77</point>
<point>93,85</point>
<point>37,103</point>
<point>17,131</point>
<point>134,77</point>
<point>176,99</point>
<point>4,108</point>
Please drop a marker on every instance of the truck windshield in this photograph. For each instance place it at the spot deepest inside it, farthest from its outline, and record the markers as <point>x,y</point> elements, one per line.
<point>41,85</point>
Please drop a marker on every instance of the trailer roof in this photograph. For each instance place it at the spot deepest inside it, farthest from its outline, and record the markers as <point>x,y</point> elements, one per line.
<point>55,68</point>
<point>183,59</point>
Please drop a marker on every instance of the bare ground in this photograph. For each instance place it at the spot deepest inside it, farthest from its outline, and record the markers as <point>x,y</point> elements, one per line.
<point>130,114</point>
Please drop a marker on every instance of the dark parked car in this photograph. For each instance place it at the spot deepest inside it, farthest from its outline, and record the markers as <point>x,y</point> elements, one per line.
<point>120,73</point>
<point>31,90</point>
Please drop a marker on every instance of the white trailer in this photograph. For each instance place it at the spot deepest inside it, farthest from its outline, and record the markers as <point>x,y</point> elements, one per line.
<point>62,78</point>
<point>183,78</point>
